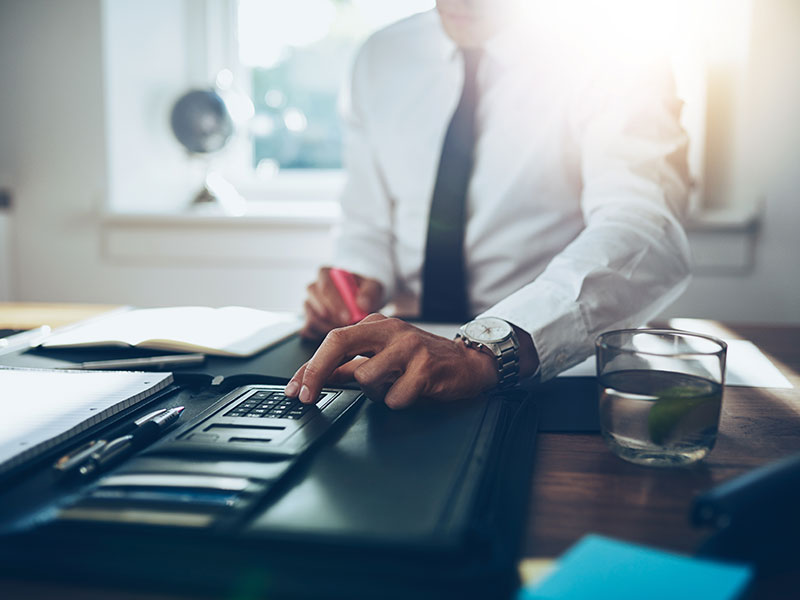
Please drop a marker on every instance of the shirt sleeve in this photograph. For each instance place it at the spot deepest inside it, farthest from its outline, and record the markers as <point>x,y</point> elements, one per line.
<point>363,234</point>
<point>632,258</point>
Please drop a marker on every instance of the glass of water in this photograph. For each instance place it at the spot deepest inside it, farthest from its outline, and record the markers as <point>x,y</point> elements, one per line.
<point>660,394</point>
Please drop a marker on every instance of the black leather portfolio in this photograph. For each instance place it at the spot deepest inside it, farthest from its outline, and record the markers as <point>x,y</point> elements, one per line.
<point>428,502</point>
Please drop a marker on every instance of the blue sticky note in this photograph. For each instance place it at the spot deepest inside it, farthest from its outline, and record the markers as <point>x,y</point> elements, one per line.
<point>598,567</point>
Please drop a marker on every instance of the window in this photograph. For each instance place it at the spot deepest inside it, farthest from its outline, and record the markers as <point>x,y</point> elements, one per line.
<point>282,76</point>
<point>290,59</point>
<point>280,65</point>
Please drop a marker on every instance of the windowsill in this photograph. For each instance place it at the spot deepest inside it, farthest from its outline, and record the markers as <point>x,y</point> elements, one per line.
<point>723,240</point>
<point>281,222</point>
<point>727,219</point>
<point>321,213</point>
<point>271,234</point>
<point>303,198</point>
<point>325,212</point>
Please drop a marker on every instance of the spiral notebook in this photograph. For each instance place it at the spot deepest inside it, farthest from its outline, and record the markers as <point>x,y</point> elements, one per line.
<point>40,409</point>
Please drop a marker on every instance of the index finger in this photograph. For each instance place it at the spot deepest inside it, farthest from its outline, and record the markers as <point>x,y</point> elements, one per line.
<point>340,345</point>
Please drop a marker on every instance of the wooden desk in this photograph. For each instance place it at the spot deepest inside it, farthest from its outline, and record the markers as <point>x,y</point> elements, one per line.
<point>28,315</point>
<point>580,487</point>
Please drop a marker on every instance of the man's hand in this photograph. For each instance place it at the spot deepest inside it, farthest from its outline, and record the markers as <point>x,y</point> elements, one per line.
<point>325,310</point>
<point>396,362</point>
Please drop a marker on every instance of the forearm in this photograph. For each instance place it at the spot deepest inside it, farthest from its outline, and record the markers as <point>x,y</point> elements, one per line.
<point>622,270</point>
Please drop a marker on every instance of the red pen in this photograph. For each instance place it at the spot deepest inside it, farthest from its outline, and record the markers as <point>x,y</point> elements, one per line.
<point>347,287</point>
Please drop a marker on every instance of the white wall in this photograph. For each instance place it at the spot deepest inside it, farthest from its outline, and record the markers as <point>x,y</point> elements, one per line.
<point>53,152</point>
<point>145,69</point>
<point>766,158</point>
<point>5,256</point>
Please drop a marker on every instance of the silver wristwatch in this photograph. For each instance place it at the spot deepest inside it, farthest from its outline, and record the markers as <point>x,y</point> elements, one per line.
<point>495,337</point>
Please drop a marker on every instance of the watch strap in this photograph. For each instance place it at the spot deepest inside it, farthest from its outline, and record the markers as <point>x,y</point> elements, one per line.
<point>506,354</point>
<point>508,362</point>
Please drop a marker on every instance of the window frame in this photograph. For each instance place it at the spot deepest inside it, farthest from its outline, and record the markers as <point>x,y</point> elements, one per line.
<point>287,187</point>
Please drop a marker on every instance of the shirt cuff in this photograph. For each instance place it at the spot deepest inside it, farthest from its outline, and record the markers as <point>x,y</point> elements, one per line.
<point>554,323</point>
<point>361,259</point>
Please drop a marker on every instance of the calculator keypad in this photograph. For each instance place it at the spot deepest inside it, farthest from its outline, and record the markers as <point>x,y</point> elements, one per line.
<point>270,405</point>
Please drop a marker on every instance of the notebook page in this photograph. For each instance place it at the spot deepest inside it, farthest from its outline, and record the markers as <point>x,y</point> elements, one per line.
<point>221,328</point>
<point>230,330</point>
<point>134,326</point>
<point>41,408</point>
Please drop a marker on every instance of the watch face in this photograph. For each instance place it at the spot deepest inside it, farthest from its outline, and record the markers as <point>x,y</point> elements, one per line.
<point>488,330</point>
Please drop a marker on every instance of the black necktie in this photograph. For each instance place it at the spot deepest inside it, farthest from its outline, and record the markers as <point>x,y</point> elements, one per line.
<point>444,280</point>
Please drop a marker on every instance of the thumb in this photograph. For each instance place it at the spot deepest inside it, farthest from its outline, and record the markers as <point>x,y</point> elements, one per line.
<point>369,295</point>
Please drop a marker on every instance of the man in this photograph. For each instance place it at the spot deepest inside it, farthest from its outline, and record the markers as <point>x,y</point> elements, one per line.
<point>496,170</point>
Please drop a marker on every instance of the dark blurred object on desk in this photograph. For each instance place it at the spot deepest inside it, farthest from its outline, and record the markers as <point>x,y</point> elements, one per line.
<point>755,517</point>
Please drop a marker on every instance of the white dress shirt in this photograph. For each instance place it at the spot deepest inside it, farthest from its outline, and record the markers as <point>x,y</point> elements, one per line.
<point>577,189</point>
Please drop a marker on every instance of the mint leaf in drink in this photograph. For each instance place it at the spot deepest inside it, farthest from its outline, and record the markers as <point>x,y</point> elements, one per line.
<point>684,412</point>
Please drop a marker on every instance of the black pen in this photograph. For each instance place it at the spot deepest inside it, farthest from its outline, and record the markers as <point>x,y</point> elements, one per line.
<point>121,447</point>
<point>69,463</point>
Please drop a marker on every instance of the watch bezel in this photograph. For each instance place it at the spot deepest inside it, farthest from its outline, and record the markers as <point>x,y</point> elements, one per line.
<point>505,350</point>
<point>483,340</point>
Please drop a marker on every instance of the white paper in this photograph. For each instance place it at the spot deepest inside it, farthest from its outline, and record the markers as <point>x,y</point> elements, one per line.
<point>229,331</point>
<point>41,408</point>
<point>746,366</point>
<point>749,367</point>
<point>587,368</point>
<point>447,330</point>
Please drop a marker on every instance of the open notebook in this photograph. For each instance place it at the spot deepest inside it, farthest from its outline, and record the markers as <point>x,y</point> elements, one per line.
<point>229,331</point>
<point>41,409</point>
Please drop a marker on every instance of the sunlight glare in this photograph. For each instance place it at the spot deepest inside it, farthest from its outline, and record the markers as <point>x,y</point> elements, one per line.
<point>268,28</point>
<point>639,29</point>
<point>224,79</point>
<point>295,120</point>
<point>262,125</point>
<point>239,105</point>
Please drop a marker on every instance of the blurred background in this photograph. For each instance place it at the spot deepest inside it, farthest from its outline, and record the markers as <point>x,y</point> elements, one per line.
<point>101,202</point>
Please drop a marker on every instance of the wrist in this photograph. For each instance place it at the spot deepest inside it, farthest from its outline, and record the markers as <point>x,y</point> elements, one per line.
<point>528,357</point>
<point>481,364</point>
<point>496,338</point>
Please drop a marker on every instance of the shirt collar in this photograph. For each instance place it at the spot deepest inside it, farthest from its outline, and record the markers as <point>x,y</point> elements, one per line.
<point>505,47</point>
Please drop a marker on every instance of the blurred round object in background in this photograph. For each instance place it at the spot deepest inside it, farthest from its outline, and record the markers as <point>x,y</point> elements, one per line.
<point>201,122</point>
